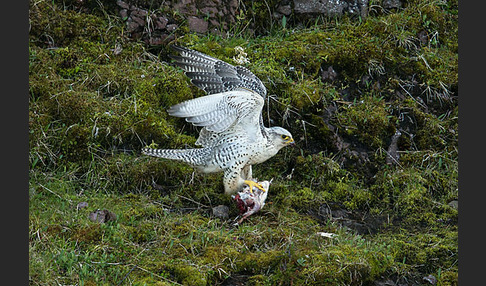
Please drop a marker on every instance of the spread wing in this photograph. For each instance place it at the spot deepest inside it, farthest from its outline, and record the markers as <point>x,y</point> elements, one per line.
<point>213,75</point>
<point>220,111</point>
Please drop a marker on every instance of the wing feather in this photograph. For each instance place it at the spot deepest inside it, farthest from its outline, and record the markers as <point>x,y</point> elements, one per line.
<point>213,75</point>
<point>217,112</point>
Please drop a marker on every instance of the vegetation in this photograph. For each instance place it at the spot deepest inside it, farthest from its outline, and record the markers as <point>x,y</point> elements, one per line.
<point>97,97</point>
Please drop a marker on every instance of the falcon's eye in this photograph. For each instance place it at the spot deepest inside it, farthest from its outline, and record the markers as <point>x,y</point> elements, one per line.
<point>285,137</point>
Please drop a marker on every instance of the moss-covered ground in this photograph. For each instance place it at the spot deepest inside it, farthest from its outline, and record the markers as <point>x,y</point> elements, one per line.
<point>97,97</point>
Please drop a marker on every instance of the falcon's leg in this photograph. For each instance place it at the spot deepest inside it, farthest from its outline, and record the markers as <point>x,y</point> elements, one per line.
<point>232,181</point>
<point>246,172</point>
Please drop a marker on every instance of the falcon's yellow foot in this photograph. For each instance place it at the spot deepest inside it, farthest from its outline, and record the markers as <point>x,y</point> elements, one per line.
<point>252,184</point>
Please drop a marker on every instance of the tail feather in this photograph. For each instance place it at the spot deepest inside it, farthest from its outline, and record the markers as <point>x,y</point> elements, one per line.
<point>194,157</point>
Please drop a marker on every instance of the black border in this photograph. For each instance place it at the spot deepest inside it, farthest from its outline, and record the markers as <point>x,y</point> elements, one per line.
<point>471,143</point>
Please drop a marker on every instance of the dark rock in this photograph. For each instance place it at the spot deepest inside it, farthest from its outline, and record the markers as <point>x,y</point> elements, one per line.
<point>136,35</point>
<point>209,11</point>
<point>161,23</point>
<point>124,14</point>
<point>160,39</point>
<point>221,211</point>
<point>329,75</point>
<point>141,13</point>
<point>122,4</point>
<point>132,26</point>
<point>331,8</point>
<point>326,7</point>
<point>423,37</point>
<point>326,212</point>
<point>233,7</point>
<point>284,10</point>
<point>155,41</point>
<point>236,280</point>
<point>391,4</point>
<point>392,155</point>
<point>387,282</point>
<point>358,7</point>
<point>340,214</point>
<point>197,25</point>
<point>214,23</point>
<point>139,21</point>
<point>171,27</point>
<point>215,16</point>
<point>185,7</point>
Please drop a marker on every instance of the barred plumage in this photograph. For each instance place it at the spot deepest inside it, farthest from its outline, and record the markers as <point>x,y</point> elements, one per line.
<point>233,137</point>
<point>215,76</point>
<point>193,157</point>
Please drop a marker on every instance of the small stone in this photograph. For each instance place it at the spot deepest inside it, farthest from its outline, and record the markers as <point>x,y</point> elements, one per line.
<point>392,155</point>
<point>161,23</point>
<point>139,12</point>
<point>391,4</point>
<point>285,10</point>
<point>209,11</point>
<point>81,205</point>
<point>221,212</point>
<point>454,204</point>
<point>155,41</point>
<point>122,4</point>
<point>431,279</point>
<point>214,23</point>
<point>329,75</point>
<point>132,26</point>
<point>423,37</point>
<point>124,14</point>
<point>171,27</point>
<point>102,216</point>
<point>325,212</point>
<point>138,20</point>
<point>197,25</point>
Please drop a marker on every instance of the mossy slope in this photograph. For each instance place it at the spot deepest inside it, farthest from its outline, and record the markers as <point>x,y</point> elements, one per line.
<point>97,97</point>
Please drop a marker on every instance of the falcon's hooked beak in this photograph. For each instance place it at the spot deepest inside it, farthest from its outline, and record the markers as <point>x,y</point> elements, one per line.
<point>291,141</point>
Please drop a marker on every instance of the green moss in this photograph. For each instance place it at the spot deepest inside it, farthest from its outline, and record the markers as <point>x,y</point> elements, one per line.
<point>448,278</point>
<point>189,275</point>
<point>423,250</point>
<point>305,93</point>
<point>407,192</point>
<point>256,262</point>
<point>258,280</point>
<point>88,234</point>
<point>369,121</point>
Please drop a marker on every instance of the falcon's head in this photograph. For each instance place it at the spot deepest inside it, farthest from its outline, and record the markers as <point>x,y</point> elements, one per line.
<point>280,137</point>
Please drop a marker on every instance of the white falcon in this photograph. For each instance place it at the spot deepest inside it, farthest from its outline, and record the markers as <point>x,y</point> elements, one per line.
<point>233,137</point>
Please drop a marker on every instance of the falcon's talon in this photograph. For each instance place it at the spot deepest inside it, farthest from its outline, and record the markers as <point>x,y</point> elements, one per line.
<point>253,184</point>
